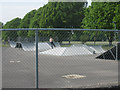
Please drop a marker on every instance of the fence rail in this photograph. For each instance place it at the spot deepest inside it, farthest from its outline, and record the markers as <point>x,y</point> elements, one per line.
<point>65,29</point>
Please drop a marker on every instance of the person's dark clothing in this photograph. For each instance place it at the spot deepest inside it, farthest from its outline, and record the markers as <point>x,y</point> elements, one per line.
<point>52,44</point>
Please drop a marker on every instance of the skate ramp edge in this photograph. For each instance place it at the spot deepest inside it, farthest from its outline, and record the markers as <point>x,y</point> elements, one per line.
<point>12,44</point>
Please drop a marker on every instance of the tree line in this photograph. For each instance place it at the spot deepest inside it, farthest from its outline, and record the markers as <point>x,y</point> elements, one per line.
<point>100,15</point>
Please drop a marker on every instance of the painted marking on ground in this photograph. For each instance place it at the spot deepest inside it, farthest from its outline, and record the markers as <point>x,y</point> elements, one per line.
<point>73,76</point>
<point>12,61</point>
<point>18,61</point>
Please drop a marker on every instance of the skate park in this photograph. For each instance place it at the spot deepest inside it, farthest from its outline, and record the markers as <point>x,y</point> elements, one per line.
<point>76,71</point>
<point>76,66</point>
<point>60,44</point>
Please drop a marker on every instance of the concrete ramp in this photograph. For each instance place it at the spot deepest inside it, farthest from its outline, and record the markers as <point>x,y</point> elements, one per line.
<point>97,49</point>
<point>12,44</point>
<point>58,51</point>
<point>27,46</point>
<point>76,49</point>
<point>71,51</point>
<point>43,46</point>
<point>57,44</point>
<point>31,46</point>
<point>92,49</point>
<point>111,54</point>
<point>67,51</point>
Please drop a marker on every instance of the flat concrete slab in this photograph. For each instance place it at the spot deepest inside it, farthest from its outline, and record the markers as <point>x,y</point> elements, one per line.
<point>53,70</point>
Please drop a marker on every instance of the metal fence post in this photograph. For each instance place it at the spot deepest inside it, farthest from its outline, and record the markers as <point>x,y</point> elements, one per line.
<point>117,46</point>
<point>36,43</point>
<point>116,42</point>
<point>117,51</point>
<point>118,36</point>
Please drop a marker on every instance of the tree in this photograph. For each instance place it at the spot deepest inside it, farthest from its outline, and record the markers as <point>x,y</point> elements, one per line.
<point>62,15</point>
<point>54,15</point>
<point>116,18</point>
<point>100,16</point>
<point>1,25</point>
<point>84,38</point>
<point>11,34</point>
<point>58,15</point>
<point>25,22</point>
<point>14,23</point>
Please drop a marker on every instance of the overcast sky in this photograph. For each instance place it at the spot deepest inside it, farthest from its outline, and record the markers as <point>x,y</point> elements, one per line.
<point>10,9</point>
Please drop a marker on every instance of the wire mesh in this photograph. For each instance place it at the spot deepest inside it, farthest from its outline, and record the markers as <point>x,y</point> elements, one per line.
<point>66,59</point>
<point>0,59</point>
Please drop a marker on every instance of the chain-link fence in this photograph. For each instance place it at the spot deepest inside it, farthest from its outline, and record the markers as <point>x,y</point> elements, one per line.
<point>0,60</point>
<point>65,58</point>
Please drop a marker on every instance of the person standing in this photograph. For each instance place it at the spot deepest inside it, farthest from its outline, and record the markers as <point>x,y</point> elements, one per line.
<point>51,42</point>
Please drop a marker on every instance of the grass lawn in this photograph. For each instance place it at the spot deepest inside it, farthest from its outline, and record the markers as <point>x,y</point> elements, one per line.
<point>4,45</point>
<point>68,45</point>
<point>107,47</point>
<point>105,44</point>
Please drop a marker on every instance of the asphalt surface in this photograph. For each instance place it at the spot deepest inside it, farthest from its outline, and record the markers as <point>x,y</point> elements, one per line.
<point>18,70</point>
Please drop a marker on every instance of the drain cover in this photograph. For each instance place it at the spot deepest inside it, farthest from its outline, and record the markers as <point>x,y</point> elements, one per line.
<point>73,76</point>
